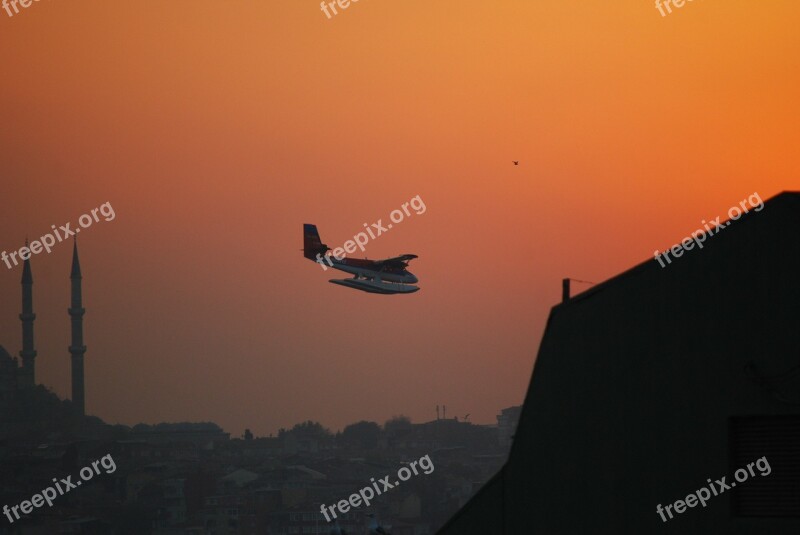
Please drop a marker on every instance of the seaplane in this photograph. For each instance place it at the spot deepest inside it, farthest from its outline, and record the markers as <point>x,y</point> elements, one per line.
<point>389,276</point>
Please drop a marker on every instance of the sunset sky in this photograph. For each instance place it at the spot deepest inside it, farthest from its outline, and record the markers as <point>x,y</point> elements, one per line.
<point>216,129</point>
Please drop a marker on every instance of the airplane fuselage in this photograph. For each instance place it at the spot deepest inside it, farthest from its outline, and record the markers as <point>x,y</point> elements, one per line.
<point>368,270</point>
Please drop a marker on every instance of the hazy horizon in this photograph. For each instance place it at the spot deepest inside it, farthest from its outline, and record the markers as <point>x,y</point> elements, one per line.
<point>217,130</point>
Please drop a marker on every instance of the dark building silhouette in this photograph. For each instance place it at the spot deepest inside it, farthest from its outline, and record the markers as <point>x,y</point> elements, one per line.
<point>9,383</point>
<point>20,398</point>
<point>76,348</point>
<point>12,375</point>
<point>507,424</point>
<point>28,353</point>
<point>656,381</point>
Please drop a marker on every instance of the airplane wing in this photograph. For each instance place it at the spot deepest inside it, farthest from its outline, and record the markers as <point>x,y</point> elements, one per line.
<point>397,261</point>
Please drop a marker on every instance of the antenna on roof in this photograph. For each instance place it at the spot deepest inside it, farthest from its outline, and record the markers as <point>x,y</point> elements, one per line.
<point>565,287</point>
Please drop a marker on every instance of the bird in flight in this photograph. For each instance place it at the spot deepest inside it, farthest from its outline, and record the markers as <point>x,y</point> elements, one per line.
<point>516,162</point>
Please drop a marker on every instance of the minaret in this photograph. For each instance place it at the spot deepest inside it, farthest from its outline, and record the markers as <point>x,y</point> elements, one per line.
<point>77,349</point>
<point>27,374</point>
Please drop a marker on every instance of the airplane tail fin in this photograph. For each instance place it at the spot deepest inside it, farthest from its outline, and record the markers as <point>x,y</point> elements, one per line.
<point>312,245</point>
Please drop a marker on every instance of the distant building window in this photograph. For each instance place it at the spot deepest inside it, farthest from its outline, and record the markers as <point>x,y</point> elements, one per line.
<point>777,438</point>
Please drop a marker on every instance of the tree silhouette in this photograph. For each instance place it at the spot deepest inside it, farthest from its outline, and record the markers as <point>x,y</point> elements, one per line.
<point>397,423</point>
<point>362,435</point>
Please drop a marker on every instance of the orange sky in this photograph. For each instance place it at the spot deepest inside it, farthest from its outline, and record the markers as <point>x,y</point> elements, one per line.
<point>216,129</point>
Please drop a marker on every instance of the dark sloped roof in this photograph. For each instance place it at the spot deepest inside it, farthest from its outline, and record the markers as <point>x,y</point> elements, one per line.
<point>636,382</point>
